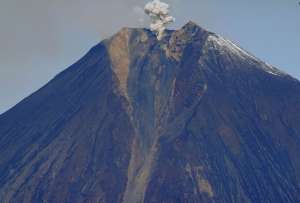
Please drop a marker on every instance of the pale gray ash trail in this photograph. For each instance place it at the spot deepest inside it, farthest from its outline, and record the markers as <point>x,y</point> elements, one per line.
<point>188,118</point>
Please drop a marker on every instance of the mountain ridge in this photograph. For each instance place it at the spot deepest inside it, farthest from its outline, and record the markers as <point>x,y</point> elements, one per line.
<point>190,118</point>
<point>189,24</point>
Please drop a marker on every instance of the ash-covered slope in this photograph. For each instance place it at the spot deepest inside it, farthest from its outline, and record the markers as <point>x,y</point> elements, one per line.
<point>191,118</point>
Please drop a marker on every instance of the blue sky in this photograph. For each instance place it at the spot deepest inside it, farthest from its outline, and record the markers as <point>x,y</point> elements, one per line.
<point>40,38</point>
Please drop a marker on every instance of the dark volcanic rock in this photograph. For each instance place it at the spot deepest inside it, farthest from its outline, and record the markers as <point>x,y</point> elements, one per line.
<point>191,118</point>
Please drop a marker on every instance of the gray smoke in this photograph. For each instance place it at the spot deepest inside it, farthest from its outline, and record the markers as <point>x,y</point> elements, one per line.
<point>160,16</point>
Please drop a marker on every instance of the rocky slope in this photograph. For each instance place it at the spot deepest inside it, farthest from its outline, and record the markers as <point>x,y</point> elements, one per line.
<point>191,118</point>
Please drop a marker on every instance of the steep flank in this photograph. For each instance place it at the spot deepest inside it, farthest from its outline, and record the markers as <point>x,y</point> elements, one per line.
<point>189,118</point>
<point>118,47</point>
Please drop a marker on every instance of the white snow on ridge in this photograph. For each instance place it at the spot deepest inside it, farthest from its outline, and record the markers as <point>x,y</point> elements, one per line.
<point>224,44</point>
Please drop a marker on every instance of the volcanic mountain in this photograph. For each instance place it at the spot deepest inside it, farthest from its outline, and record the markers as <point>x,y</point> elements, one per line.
<point>190,118</point>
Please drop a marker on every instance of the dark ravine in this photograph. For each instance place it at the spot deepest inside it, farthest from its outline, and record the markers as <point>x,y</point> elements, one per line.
<point>191,118</point>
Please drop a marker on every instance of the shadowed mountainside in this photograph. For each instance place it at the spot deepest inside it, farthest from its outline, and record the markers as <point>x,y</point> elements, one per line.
<point>191,118</point>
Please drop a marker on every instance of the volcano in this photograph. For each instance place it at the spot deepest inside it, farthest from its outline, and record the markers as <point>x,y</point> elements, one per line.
<point>188,118</point>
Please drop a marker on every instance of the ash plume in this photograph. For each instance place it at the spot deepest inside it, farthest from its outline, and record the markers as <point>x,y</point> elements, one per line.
<point>160,16</point>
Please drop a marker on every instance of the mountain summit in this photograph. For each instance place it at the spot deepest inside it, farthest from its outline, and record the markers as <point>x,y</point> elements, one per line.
<point>188,118</point>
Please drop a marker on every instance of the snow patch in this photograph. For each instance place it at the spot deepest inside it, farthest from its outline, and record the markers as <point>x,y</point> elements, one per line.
<point>228,46</point>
